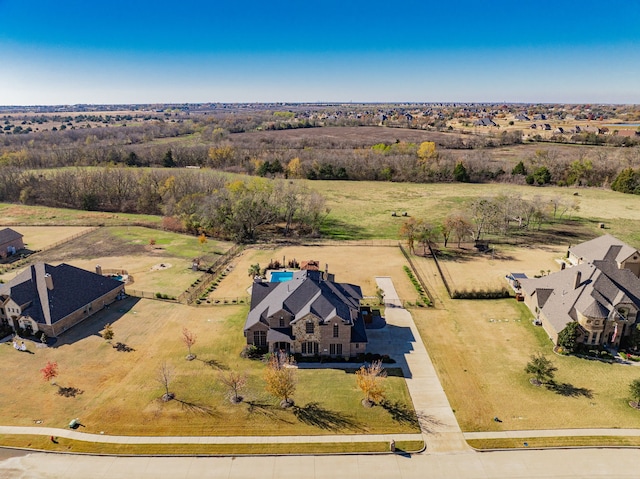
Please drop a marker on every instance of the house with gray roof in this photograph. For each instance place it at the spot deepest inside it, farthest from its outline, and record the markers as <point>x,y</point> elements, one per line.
<point>10,242</point>
<point>52,299</point>
<point>606,247</point>
<point>601,291</point>
<point>309,315</point>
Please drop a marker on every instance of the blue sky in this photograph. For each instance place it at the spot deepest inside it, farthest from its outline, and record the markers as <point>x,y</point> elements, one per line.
<point>138,51</point>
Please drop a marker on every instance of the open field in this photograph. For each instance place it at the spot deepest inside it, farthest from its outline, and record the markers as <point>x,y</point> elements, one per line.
<point>14,214</point>
<point>118,392</point>
<point>480,349</point>
<point>362,210</point>
<point>163,267</point>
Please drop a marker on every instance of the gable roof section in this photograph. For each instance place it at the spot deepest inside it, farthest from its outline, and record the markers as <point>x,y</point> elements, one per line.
<point>604,247</point>
<point>73,289</point>
<point>7,235</point>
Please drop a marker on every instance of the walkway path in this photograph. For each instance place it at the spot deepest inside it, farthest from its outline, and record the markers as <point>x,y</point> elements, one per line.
<point>401,340</point>
<point>82,436</point>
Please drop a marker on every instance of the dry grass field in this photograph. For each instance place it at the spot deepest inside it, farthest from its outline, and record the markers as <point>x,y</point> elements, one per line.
<point>350,264</point>
<point>117,392</point>
<point>39,237</point>
<point>467,269</point>
<point>480,349</point>
<point>14,214</point>
<point>362,210</point>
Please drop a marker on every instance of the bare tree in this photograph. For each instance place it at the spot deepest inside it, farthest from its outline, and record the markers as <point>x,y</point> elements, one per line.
<point>164,375</point>
<point>235,382</point>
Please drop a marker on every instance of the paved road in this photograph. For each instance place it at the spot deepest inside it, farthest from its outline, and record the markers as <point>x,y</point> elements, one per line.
<point>521,464</point>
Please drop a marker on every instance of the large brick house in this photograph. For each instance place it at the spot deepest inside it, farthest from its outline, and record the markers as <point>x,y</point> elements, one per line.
<point>309,314</point>
<point>52,299</point>
<point>601,291</point>
<point>10,242</point>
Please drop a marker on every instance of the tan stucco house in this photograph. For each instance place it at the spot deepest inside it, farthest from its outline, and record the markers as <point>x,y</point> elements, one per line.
<point>10,242</point>
<point>601,291</point>
<point>52,299</point>
<point>310,315</point>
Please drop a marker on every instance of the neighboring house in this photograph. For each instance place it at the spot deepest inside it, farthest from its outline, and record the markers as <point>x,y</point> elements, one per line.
<point>52,299</point>
<point>309,315</point>
<point>606,247</point>
<point>522,117</point>
<point>601,292</point>
<point>484,122</point>
<point>10,242</point>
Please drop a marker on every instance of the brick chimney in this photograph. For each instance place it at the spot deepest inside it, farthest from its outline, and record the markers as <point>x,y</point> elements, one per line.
<point>99,269</point>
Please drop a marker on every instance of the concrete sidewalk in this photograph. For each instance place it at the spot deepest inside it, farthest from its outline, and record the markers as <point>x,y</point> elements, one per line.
<point>401,340</point>
<point>105,438</point>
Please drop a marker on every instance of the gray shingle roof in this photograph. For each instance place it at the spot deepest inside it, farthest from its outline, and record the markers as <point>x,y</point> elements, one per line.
<point>604,247</point>
<point>7,235</point>
<point>306,293</point>
<point>73,288</point>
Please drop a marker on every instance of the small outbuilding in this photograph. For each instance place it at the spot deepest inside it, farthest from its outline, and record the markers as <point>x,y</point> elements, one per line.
<point>10,242</point>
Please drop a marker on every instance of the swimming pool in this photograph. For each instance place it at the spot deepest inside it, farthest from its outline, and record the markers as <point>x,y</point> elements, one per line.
<point>281,276</point>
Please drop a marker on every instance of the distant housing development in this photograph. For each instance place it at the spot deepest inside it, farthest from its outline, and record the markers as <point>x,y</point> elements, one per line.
<point>52,299</point>
<point>309,314</point>
<point>600,290</point>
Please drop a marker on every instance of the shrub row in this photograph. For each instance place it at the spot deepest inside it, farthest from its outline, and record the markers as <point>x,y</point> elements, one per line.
<point>481,294</point>
<point>416,284</point>
<point>165,296</point>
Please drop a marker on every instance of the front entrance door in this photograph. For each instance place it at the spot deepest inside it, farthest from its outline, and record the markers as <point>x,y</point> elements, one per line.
<point>282,346</point>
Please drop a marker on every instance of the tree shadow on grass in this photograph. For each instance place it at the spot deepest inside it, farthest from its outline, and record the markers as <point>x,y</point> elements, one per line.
<point>313,414</point>
<point>196,408</point>
<point>69,392</point>
<point>334,228</point>
<point>266,409</point>
<point>212,363</point>
<point>401,413</point>
<point>569,390</point>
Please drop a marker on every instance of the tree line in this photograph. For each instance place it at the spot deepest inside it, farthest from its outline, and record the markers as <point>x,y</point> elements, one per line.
<point>192,201</point>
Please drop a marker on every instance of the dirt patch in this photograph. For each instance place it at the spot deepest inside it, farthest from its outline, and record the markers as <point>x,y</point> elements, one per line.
<point>96,244</point>
<point>161,266</point>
